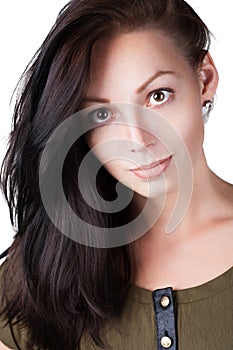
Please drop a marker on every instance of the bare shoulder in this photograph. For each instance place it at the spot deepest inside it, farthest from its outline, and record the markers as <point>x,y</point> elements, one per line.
<point>3,347</point>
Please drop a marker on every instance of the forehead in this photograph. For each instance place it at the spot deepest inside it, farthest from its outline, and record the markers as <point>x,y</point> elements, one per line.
<point>131,58</point>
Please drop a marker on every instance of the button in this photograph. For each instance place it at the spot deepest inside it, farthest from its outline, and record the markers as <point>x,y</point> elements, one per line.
<point>165,301</point>
<point>166,342</point>
<point>165,319</point>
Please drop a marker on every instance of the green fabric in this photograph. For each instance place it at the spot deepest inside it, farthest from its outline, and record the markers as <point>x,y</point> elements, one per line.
<point>5,333</point>
<point>204,316</point>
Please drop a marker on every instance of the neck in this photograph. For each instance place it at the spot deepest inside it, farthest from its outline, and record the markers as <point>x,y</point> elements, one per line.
<point>209,192</point>
<point>203,237</point>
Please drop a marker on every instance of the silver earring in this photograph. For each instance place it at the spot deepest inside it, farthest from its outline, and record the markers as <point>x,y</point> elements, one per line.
<point>206,110</point>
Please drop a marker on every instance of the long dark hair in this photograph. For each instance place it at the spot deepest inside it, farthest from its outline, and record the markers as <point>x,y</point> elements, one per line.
<point>53,286</point>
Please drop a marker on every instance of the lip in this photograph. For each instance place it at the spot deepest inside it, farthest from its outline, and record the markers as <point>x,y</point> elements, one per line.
<point>152,170</point>
<point>152,165</point>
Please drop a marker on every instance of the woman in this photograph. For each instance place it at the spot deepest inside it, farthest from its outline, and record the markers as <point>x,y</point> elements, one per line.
<point>140,75</point>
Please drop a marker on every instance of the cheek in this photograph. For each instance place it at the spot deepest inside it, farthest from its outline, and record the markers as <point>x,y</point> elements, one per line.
<point>117,168</point>
<point>92,140</point>
<point>191,131</point>
<point>193,128</point>
<point>114,166</point>
<point>99,135</point>
<point>106,143</point>
<point>103,146</point>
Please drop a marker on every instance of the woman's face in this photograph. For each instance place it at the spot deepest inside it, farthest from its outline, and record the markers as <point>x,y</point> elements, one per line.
<point>143,68</point>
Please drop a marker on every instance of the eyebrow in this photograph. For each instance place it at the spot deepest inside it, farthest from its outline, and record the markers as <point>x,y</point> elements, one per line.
<point>155,76</point>
<point>138,90</point>
<point>96,99</point>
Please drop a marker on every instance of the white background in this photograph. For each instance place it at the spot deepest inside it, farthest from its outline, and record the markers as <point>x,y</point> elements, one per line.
<point>24,25</point>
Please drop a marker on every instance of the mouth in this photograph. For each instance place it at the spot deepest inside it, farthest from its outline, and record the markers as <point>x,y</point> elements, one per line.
<point>152,170</point>
<point>152,165</point>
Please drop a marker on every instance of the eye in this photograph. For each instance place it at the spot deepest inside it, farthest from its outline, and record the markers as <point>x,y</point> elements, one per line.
<point>100,115</point>
<point>160,97</point>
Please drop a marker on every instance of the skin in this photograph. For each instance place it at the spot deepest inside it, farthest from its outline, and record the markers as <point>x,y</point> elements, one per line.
<point>3,347</point>
<point>200,248</point>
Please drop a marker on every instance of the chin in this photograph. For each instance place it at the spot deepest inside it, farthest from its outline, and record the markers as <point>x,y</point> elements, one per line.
<point>157,189</point>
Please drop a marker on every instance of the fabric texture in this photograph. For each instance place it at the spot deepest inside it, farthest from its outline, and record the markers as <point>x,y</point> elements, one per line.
<point>203,314</point>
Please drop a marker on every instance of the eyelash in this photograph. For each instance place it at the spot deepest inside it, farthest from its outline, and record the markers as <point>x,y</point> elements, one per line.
<point>162,90</point>
<point>154,92</point>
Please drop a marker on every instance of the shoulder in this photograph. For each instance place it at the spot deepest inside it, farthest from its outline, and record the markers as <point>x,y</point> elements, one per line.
<point>15,336</point>
<point>10,335</point>
<point>3,347</point>
<point>5,334</point>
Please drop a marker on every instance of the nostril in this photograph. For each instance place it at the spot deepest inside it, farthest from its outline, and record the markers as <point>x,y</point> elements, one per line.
<point>150,144</point>
<point>142,146</point>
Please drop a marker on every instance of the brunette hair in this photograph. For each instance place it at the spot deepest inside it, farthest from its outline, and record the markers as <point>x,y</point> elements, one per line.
<point>53,286</point>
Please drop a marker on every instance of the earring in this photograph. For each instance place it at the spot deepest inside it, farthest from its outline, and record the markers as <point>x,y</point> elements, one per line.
<point>206,110</point>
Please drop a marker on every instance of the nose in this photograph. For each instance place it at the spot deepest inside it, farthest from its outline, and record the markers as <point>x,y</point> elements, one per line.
<point>140,138</point>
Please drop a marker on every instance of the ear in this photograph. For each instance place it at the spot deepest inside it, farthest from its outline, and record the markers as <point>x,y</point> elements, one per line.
<point>208,78</point>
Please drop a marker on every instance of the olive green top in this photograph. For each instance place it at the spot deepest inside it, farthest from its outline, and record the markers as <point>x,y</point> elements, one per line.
<point>204,320</point>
